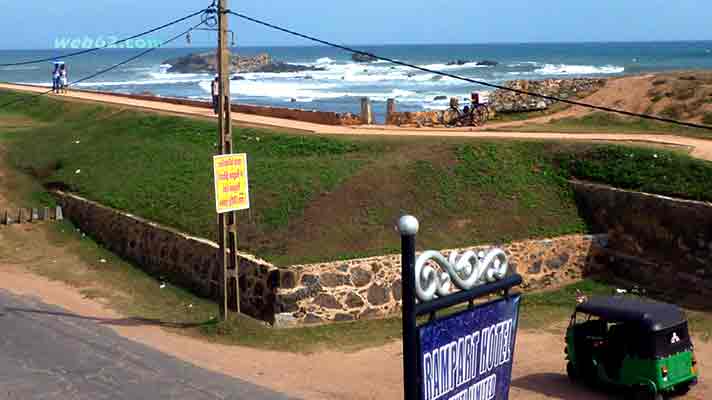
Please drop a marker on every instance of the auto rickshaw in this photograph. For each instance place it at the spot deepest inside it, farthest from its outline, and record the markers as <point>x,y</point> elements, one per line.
<point>633,344</point>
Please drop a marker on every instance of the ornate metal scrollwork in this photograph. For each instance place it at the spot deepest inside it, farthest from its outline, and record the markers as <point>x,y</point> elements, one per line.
<point>465,272</point>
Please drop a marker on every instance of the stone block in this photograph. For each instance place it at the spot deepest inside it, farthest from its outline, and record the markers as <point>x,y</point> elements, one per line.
<point>327,301</point>
<point>287,279</point>
<point>378,295</point>
<point>312,318</point>
<point>353,300</point>
<point>332,279</point>
<point>343,317</point>
<point>360,277</point>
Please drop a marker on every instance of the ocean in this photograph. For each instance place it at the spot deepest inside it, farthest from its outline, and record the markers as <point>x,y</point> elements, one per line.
<point>343,82</point>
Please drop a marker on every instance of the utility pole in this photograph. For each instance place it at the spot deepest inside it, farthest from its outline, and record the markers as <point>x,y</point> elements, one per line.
<point>227,222</point>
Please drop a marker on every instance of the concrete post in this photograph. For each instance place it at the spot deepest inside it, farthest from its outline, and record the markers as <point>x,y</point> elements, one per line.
<point>58,214</point>
<point>390,110</point>
<point>35,215</point>
<point>366,111</point>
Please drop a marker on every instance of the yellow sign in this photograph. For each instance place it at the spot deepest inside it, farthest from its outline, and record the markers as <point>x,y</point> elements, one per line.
<point>231,185</point>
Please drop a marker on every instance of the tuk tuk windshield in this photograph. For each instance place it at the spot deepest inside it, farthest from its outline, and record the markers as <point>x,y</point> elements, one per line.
<point>645,344</point>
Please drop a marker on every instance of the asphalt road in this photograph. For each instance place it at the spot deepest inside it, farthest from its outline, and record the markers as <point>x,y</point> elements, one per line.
<point>47,353</point>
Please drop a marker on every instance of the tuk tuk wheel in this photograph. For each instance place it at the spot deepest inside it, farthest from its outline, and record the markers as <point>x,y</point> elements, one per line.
<point>571,372</point>
<point>646,393</point>
<point>682,389</point>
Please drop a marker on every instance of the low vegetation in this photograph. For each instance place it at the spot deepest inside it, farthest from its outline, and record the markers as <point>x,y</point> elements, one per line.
<point>641,169</point>
<point>602,122</point>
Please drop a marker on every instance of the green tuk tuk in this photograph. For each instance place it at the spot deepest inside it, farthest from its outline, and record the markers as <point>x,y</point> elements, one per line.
<point>636,344</point>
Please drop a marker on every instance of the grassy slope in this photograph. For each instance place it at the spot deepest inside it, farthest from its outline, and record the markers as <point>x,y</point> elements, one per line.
<point>314,198</point>
<point>647,170</point>
<point>317,198</point>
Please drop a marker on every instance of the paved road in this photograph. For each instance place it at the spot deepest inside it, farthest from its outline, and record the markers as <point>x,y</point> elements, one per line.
<point>46,353</point>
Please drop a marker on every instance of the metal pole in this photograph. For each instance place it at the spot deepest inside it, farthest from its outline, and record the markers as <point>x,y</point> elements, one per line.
<point>408,228</point>
<point>227,223</point>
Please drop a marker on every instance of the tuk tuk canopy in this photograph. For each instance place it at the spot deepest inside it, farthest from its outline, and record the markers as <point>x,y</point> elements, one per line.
<point>641,327</point>
<point>650,315</point>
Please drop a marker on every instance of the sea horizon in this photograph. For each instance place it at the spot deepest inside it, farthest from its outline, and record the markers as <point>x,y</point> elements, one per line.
<point>342,82</point>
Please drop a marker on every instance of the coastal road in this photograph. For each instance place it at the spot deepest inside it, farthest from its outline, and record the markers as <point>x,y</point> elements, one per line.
<point>700,148</point>
<point>48,353</point>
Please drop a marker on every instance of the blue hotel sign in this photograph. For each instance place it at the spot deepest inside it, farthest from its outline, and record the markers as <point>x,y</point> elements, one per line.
<point>468,356</point>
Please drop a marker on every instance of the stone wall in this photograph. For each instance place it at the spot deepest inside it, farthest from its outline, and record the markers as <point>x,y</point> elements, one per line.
<point>371,287</point>
<point>504,101</point>
<point>440,118</point>
<point>185,261</point>
<point>674,236</point>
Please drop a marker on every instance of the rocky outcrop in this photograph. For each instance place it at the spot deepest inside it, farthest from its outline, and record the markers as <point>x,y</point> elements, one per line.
<point>363,58</point>
<point>488,63</point>
<point>505,101</point>
<point>207,63</point>
<point>483,63</point>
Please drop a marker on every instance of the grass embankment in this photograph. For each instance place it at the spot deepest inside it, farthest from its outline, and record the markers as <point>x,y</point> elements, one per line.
<point>314,198</point>
<point>647,170</point>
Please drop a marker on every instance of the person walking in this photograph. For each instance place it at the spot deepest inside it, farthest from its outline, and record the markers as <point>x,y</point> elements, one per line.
<point>64,82</point>
<point>215,91</point>
<point>55,79</point>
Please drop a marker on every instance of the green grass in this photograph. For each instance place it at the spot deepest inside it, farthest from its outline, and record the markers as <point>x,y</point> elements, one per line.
<point>317,198</point>
<point>314,198</point>
<point>601,122</point>
<point>648,170</point>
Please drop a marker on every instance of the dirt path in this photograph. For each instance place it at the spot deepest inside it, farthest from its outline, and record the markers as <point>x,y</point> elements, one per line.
<point>701,148</point>
<point>369,374</point>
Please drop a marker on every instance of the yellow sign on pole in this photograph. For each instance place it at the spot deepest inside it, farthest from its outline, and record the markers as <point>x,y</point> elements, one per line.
<point>231,185</point>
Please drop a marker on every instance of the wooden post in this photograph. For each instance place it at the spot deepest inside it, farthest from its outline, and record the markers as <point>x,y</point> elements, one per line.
<point>366,111</point>
<point>227,222</point>
<point>390,110</point>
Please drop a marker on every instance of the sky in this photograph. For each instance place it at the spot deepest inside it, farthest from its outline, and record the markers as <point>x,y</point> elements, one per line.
<point>37,24</point>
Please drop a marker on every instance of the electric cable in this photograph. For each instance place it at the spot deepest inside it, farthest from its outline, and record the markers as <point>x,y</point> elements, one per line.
<point>113,67</point>
<point>465,79</point>
<point>206,12</point>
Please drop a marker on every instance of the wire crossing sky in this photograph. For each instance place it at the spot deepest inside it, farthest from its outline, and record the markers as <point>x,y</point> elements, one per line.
<point>374,21</point>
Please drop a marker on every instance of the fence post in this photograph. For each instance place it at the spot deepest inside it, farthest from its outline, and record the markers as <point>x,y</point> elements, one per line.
<point>58,214</point>
<point>408,227</point>
<point>390,110</point>
<point>366,111</point>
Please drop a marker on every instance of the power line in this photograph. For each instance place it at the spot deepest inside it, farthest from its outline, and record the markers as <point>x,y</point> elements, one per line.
<point>205,12</point>
<point>113,67</point>
<point>475,81</point>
